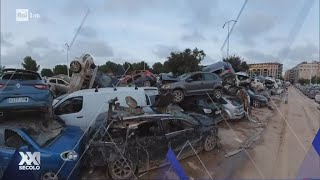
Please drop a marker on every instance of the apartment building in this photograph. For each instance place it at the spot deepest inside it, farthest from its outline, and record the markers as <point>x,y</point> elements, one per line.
<point>266,69</point>
<point>305,70</point>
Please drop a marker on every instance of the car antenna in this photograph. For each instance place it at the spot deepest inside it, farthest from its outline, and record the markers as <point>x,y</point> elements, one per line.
<point>125,72</point>
<point>96,90</point>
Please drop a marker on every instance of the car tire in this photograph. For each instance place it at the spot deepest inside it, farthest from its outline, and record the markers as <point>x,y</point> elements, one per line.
<point>210,142</point>
<point>49,176</point>
<point>217,93</point>
<point>256,103</point>
<point>178,96</point>
<point>121,169</point>
<point>147,84</point>
<point>75,66</point>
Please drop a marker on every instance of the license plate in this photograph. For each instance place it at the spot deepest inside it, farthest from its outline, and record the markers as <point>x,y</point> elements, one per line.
<point>18,100</point>
<point>218,112</point>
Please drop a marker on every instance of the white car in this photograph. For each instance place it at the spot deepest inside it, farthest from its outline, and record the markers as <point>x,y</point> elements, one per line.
<point>55,80</point>
<point>88,107</point>
<point>317,98</point>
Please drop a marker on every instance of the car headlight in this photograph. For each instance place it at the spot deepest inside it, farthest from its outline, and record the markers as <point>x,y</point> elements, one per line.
<point>69,155</point>
<point>165,86</point>
<point>207,111</point>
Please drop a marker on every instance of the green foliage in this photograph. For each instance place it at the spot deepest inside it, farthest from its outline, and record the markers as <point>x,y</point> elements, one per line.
<point>303,81</point>
<point>183,62</point>
<point>30,64</point>
<point>46,72</point>
<point>140,66</point>
<point>61,69</point>
<point>315,80</point>
<point>237,63</point>
<point>158,68</point>
<point>111,68</point>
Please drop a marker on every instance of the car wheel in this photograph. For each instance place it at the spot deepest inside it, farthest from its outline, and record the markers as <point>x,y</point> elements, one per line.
<point>225,115</point>
<point>121,169</point>
<point>147,83</point>
<point>178,96</point>
<point>255,103</point>
<point>49,176</point>
<point>75,66</point>
<point>210,142</point>
<point>217,93</point>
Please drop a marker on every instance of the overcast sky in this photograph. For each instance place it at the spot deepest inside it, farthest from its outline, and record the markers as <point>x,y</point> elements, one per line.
<point>285,31</point>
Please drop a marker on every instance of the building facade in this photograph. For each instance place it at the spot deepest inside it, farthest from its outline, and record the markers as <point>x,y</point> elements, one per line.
<point>304,70</point>
<point>266,69</point>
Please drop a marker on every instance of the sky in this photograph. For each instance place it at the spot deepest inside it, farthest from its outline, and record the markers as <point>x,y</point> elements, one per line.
<point>284,31</point>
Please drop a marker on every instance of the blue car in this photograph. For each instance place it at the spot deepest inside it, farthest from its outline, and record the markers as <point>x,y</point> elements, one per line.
<point>29,152</point>
<point>24,90</point>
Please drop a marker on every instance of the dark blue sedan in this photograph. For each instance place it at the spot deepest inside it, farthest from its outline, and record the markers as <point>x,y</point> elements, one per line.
<point>24,90</point>
<point>30,152</point>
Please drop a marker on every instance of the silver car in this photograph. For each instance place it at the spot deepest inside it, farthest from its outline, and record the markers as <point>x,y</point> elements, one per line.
<point>233,108</point>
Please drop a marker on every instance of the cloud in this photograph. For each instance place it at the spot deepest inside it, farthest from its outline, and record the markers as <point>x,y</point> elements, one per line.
<point>195,36</point>
<point>96,48</point>
<point>39,42</point>
<point>5,39</point>
<point>87,31</point>
<point>163,51</point>
<point>307,51</point>
<point>257,56</point>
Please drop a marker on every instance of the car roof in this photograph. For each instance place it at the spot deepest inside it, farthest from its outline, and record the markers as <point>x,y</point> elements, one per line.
<point>9,70</point>
<point>111,90</point>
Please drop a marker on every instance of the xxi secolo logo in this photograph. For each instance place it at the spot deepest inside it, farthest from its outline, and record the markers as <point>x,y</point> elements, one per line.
<point>29,161</point>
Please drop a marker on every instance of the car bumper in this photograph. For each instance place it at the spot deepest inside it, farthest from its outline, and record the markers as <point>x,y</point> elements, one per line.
<point>164,91</point>
<point>34,106</point>
<point>238,115</point>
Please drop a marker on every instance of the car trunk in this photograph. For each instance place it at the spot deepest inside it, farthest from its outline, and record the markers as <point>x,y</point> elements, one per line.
<point>17,87</point>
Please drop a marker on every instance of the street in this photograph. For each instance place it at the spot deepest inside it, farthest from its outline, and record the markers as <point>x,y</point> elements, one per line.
<point>288,137</point>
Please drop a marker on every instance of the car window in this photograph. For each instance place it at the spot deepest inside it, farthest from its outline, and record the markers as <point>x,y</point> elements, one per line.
<point>222,101</point>
<point>61,82</point>
<point>21,76</point>
<point>209,77</point>
<point>52,80</point>
<point>234,101</point>
<point>43,138</point>
<point>149,129</point>
<point>174,125</point>
<point>69,106</point>
<point>13,139</point>
<point>147,100</point>
<point>1,137</point>
<point>197,77</point>
<point>137,77</point>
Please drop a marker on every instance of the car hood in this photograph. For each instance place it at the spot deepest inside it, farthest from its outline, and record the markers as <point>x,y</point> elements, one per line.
<point>204,120</point>
<point>69,139</point>
<point>169,78</point>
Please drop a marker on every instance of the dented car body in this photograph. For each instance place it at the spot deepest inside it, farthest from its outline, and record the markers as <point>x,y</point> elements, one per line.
<point>139,143</point>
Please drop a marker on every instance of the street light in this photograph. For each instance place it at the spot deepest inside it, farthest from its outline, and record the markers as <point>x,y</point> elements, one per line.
<point>228,22</point>
<point>68,47</point>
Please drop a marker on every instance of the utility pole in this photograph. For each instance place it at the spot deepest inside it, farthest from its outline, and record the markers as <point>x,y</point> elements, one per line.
<point>68,47</point>
<point>228,23</point>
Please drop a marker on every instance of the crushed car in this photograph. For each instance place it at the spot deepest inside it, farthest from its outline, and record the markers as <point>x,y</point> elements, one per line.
<point>140,78</point>
<point>194,83</point>
<point>126,146</point>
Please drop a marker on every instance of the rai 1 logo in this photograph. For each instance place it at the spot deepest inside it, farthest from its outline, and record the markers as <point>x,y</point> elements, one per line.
<point>29,161</point>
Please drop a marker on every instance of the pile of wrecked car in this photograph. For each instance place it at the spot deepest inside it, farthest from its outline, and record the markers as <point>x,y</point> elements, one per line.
<point>95,120</point>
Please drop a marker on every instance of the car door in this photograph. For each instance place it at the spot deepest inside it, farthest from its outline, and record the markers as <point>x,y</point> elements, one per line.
<point>152,142</point>
<point>178,132</point>
<point>210,81</point>
<point>194,84</point>
<point>71,111</point>
<point>10,142</point>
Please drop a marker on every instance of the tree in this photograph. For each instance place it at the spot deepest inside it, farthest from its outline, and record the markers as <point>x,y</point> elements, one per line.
<point>140,66</point>
<point>61,69</point>
<point>46,72</point>
<point>30,64</point>
<point>237,63</point>
<point>127,65</point>
<point>303,81</point>
<point>158,68</point>
<point>183,62</point>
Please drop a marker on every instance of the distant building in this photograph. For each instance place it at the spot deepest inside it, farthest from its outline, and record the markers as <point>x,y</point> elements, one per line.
<point>266,69</point>
<point>305,70</point>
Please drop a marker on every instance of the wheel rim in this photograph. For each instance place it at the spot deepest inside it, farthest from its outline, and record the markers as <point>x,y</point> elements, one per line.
<point>178,96</point>
<point>255,104</point>
<point>217,94</point>
<point>122,169</point>
<point>147,83</point>
<point>49,176</point>
<point>75,66</point>
<point>210,143</point>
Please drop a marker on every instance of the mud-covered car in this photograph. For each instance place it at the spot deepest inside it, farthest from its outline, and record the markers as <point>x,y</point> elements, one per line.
<point>194,83</point>
<point>136,144</point>
<point>140,78</point>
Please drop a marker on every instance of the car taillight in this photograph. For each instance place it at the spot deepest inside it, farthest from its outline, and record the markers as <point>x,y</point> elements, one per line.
<point>41,86</point>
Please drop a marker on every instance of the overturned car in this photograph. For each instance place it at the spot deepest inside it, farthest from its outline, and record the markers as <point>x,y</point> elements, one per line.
<point>135,144</point>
